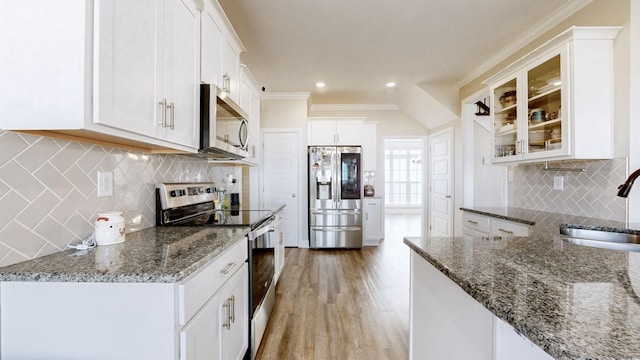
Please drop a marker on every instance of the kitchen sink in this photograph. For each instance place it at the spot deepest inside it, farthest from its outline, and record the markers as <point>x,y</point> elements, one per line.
<point>602,237</point>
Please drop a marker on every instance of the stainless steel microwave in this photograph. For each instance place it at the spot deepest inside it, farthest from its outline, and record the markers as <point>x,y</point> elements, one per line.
<point>223,125</point>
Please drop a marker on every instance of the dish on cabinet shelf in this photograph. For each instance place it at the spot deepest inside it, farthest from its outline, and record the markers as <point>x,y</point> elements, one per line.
<point>505,128</point>
<point>508,98</point>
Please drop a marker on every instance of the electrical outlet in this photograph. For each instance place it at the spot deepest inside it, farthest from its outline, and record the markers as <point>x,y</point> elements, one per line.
<point>558,182</point>
<point>105,183</point>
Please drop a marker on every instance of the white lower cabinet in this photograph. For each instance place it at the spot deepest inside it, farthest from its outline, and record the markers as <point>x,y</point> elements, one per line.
<point>205,316</point>
<point>447,323</point>
<point>484,225</point>
<point>474,224</point>
<point>373,224</point>
<point>218,330</point>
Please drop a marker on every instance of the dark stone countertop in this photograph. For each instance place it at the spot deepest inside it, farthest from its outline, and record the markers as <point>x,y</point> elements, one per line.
<point>573,301</point>
<point>165,254</point>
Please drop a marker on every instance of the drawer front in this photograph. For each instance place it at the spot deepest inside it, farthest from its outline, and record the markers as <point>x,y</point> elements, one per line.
<point>336,218</point>
<point>508,228</point>
<point>475,222</point>
<point>195,290</point>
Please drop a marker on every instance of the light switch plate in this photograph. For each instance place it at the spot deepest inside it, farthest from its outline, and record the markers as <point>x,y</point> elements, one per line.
<point>105,183</point>
<point>558,182</point>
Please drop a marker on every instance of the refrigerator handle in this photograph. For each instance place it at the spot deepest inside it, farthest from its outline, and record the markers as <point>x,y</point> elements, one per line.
<point>338,185</point>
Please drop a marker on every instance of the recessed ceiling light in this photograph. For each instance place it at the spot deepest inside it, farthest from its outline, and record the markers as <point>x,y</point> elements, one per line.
<point>319,85</point>
<point>391,84</point>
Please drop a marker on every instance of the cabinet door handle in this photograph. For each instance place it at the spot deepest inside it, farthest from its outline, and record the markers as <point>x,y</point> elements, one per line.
<point>505,231</point>
<point>366,216</point>
<point>172,108</point>
<point>227,320</point>
<point>163,105</point>
<point>472,222</point>
<point>228,268</point>
<point>233,309</point>
<point>517,147</point>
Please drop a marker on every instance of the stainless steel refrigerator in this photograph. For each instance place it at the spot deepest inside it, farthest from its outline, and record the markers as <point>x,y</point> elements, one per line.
<point>335,196</point>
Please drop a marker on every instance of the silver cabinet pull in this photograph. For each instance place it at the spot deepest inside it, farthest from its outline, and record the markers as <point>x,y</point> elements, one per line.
<point>227,320</point>
<point>505,231</point>
<point>472,222</point>
<point>172,108</point>
<point>163,104</point>
<point>448,197</point>
<point>293,195</point>
<point>233,309</point>
<point>228,268</point>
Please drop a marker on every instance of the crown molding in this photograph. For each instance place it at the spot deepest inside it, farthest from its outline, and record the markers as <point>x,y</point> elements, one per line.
<point>536,31</point>
<point>285,96</point>
<point>354,107</point>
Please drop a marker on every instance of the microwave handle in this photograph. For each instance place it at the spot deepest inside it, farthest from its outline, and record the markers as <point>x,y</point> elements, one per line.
<point>243,134</point>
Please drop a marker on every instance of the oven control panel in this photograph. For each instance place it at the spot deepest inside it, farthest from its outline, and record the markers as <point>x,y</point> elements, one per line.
<point>174,195</point>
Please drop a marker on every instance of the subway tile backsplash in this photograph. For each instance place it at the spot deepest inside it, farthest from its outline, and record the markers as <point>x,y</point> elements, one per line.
<point>48,190</point>
<point>592,193</point>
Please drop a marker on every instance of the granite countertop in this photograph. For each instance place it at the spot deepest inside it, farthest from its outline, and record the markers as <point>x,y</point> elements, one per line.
<point>164,254</point>
<point>573,301</point>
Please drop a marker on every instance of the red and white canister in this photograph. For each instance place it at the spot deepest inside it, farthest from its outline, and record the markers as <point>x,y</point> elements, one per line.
<point>110,228</point>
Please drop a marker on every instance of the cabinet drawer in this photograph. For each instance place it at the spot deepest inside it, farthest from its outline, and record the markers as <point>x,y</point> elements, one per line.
<point>195,290</point>
<point>476,222</point>
<point>508,228</point>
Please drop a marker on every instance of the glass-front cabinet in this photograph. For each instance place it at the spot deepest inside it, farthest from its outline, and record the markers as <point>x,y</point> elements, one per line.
<point>528,119</point>
<point>556,103</point>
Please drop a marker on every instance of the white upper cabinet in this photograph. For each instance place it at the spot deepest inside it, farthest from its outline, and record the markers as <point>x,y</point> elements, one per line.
<point>250,102</point>
<point>370,146</point>
<point>211,46</point>
<point>148,68</point>
<point>181,73</point>
<point>126,76</point>
<point>125,73</point>
<point>335,131</point>
<point>221,49</point>
<point>231,49</point>
<point>556,103</point>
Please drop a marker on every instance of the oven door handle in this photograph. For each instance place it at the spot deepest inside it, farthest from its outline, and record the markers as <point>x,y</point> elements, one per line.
<point>259,232</point>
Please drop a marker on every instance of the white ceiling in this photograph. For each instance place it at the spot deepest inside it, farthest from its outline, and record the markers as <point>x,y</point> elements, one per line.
<point>356,46</point>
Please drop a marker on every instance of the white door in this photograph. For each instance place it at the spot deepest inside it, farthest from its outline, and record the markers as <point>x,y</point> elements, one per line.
<point>281,180</point>
<point>441,194</point>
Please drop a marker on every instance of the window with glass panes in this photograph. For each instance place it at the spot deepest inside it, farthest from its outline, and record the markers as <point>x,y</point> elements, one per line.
<point>403,172</point>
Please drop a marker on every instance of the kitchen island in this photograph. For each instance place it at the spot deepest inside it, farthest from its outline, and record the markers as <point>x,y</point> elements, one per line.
<point>165,293</point>
<point>572,301</point>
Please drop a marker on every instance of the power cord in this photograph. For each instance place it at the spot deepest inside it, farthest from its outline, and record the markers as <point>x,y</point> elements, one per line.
<point>87,243</point>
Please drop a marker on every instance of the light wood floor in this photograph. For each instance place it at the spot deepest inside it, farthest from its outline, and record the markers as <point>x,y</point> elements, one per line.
<point>344,304</point>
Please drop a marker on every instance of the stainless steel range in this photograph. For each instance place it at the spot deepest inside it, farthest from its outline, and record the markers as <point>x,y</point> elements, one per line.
<point>192,204</point>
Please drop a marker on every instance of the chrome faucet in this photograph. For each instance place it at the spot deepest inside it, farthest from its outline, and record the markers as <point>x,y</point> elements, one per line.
<point>623,190</point>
